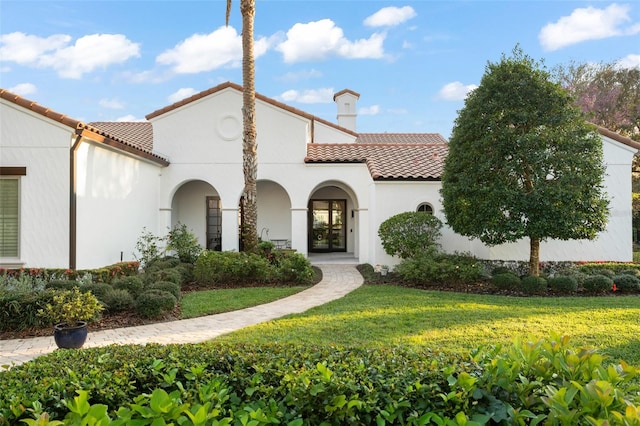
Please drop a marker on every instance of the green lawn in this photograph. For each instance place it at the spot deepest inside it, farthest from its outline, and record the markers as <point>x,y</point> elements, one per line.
<point>199,303</point>
<point>379,316</point>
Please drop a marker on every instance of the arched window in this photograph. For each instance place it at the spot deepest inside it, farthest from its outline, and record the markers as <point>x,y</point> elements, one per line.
<point>425,208</point>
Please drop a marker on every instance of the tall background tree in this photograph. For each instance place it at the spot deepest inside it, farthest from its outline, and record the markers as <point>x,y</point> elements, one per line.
<point>609,95</point>
<point>523,162</point>
<point>249,140</point>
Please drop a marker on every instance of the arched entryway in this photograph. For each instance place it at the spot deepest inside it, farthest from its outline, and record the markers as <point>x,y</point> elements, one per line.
<point>332,225</point>
<point>197,204</point>
<point>274,214</point>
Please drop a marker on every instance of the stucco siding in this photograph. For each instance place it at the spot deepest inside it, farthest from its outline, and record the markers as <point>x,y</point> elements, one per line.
<point>42,146</point>
<point>117,196</point>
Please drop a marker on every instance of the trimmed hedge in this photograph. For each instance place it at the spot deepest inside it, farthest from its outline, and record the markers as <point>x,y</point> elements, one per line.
<point>506,281</point>
<point>533,284</point>
<point>563,284</point>
<point>597,284</point>
<point>525,383</point>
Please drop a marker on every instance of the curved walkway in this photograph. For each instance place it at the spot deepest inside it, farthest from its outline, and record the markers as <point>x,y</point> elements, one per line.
<point>337,281</point>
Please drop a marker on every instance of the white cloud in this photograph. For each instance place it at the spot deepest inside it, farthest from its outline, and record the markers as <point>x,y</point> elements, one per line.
<point>390,16</point>
<point>630,61</point>
<point>455,91</point>
<point>26,49</point>
<point>205,52</point>
<point>322,39</point>
<point>588,23</point>
<point>181,94</point>
<point>111,103</point>
<point>70,61</point>
<point>129,118</point>
<point>23,89</point>
<point>372,110</point>
<point>311,96</point>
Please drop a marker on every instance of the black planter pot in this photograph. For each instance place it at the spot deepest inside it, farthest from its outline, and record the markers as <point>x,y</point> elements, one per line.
<point>70,337</point>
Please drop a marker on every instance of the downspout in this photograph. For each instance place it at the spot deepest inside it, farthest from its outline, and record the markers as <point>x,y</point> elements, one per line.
<point>73,202</point>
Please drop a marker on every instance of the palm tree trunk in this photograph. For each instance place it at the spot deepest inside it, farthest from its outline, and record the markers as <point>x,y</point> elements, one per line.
<point>249,142</point>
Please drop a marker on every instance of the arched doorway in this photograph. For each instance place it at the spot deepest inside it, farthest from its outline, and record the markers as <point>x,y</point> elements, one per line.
<point>331,220</point>
<point>197,205</point>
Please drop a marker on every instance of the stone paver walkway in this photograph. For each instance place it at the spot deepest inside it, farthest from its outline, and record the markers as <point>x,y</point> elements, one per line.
<point>337,281</point>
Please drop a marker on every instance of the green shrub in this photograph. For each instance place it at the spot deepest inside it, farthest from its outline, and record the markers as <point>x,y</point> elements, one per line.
<point>172,274</point>
<point>62,284</point>
<point>634,272</point>
<point>184,243</point>
<point>118,300</point>
<point>609,268</point>
<point>440,268</point>
<point>506,281</point>
<point>98,289</point>
<point>148,248</point>
<point>154,303</point>
<point>132,284</point>
<point>292,268</point>
<point>523,383</point>
<point>166,262</point>
<point>21,310</point>
<point>597,284</point>
<point>168,286</point>
<point>533,284</point>
<point>229,268</point>
<point>410,234</point>
<point>627,283</point>
<point>563,284</point>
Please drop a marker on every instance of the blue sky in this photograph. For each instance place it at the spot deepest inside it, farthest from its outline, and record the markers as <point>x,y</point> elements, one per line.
<point>411,61</point>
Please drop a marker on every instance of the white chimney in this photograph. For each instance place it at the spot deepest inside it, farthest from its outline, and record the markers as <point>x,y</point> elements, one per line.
<point>347,108</point>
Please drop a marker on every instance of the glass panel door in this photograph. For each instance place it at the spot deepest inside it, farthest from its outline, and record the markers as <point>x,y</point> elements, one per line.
<point>328,226</point>
<point>214,224</point>
<point>338,240</point>
<point>320,225</point>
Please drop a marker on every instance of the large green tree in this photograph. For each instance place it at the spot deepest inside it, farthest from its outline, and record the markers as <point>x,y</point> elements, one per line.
<point>522,162</point>
<point>250,134</point>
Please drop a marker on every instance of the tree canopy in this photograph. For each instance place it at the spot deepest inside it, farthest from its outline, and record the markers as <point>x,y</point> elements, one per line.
<point>607,93</point>
<point>523,162</point>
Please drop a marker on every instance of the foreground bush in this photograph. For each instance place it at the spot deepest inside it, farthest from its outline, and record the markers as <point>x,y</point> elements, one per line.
<point>440,268</point>
<point>241,268</point>
<point>544,382</point>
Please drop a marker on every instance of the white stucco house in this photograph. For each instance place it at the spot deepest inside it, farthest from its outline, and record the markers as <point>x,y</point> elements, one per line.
<point>78,195</point>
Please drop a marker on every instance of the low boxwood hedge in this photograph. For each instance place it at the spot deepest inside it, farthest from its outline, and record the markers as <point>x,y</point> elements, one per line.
<point>526,383</point>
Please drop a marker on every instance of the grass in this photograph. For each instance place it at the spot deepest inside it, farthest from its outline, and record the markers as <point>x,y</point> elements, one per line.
<point>382,316</point>
<point>199,303</point>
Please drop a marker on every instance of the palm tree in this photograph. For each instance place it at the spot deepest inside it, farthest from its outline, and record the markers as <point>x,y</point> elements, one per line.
<point>249,144</point>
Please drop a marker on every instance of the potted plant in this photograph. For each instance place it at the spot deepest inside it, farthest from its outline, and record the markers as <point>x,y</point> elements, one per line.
<point>384,269</point>
<point>70,311</point>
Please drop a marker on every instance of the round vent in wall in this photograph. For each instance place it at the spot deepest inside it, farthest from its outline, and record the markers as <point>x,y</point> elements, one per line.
<point>229,127</point>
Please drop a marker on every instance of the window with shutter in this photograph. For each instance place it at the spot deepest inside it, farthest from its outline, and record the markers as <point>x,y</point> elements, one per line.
<point>9,217</point>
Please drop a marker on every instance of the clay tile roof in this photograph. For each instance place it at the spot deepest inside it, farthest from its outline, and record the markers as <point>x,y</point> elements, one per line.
<point>39,109</point>
<point>356,94</point>
<point>139,133</point>
<point>400,138</point>
<point>412,161</point>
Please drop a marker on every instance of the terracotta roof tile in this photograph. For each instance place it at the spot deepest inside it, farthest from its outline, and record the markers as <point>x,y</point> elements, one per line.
<point>400,138</point>
<point>139,133</point>
<point>412,161</point>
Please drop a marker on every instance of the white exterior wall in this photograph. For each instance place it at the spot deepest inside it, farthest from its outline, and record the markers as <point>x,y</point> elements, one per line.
<point>117,196</point>
<point>42,146</point>
<point>328,134</point>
